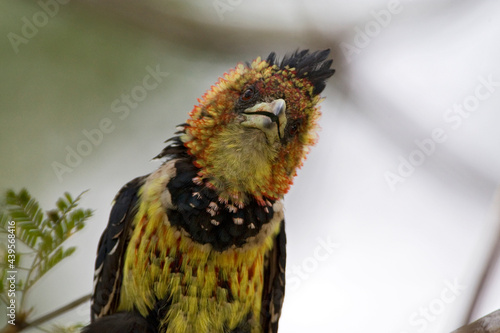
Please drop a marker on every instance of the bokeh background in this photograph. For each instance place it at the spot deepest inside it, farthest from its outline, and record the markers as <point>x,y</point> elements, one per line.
<point>392,218</point>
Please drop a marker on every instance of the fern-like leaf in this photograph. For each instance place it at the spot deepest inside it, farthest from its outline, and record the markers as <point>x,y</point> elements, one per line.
<point>28,215</point>
<point>42,233</point>
<point>65,222</point>
<point>67,329</point>
<point>47,263</point>
<point>3,274</point>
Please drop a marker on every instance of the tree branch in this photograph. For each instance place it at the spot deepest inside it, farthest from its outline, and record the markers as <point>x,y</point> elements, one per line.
<point>490,264</point>
<point>487,324</point>
<point>59,311</point>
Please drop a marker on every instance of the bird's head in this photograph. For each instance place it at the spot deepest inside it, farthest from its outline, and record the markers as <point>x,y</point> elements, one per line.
<point>251,131</point>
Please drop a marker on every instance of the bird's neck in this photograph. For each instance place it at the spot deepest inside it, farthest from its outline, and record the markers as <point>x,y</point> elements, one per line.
<point>240,164</point>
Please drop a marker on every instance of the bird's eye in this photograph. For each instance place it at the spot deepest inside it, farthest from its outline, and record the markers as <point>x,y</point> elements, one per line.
<point>293,129</point>
<point>247,94</point>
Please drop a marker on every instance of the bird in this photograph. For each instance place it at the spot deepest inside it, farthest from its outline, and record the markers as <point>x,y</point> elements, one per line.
<point>199,245</point>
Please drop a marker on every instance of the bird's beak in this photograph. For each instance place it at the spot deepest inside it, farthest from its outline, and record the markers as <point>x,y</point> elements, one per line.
<point>268,117</point>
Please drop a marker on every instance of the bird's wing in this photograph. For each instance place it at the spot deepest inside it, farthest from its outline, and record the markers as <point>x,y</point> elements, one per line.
<point>273,292</point>
<point>112,246</point>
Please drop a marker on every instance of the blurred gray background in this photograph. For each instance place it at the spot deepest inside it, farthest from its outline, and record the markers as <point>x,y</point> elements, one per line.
<point>391,219</point>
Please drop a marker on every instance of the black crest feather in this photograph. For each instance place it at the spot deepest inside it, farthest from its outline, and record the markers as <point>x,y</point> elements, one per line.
<point>312,66</point>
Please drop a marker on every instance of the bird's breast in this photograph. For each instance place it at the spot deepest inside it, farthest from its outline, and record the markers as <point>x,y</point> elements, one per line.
<point>200,288</point>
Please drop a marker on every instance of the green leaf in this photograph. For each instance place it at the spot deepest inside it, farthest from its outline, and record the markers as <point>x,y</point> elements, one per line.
<point>4,220</point>
<point>28,215</point>
<point>43,233</point>
<point>3,275</point>
<point>48,263</point>
<point>62,205</point>
<point>67,329</point>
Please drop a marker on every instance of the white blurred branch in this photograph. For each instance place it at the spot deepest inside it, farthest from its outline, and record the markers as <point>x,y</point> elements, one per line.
<point>487,324</point>
<point>491,322</point>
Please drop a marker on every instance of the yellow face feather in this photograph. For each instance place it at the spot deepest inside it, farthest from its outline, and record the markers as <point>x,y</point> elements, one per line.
<point>239,160</point>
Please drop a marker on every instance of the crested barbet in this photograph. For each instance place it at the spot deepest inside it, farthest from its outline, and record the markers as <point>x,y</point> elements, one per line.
<point>199,244</point>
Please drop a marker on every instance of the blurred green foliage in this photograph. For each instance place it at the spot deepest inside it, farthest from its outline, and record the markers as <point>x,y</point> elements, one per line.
<point>34,243</point>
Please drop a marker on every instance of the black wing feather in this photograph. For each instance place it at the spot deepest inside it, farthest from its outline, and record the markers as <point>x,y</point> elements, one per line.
<point>273,292</point>
<point>110,253</point>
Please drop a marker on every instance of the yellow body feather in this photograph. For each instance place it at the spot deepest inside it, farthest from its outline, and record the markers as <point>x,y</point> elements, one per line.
<point>162,261</point>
